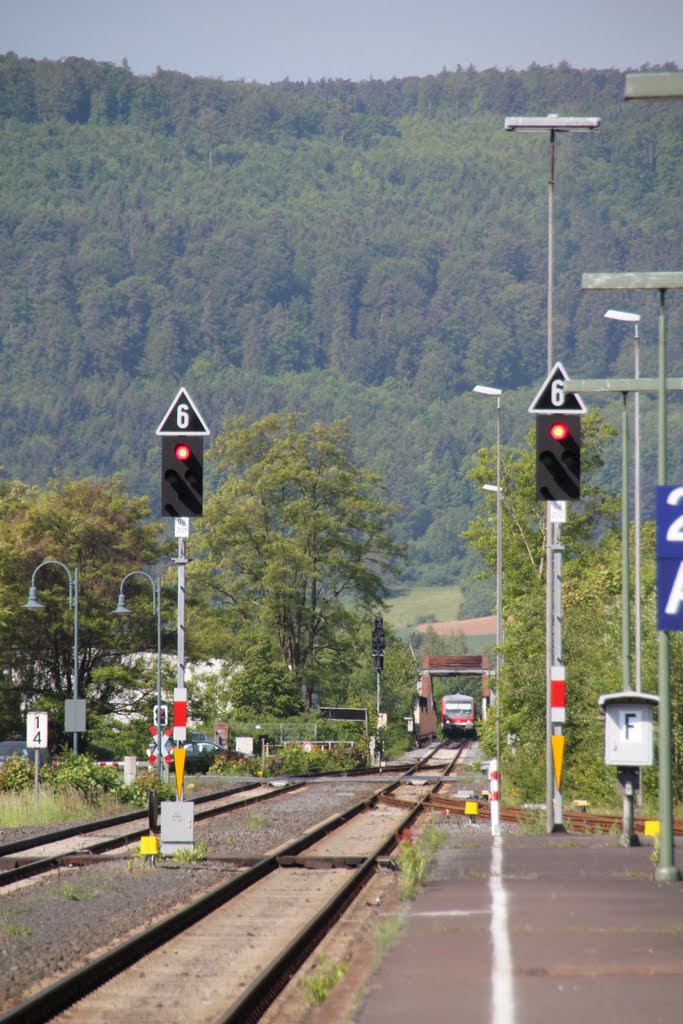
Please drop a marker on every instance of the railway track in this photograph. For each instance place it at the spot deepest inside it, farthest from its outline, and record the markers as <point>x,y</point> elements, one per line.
<point>576,821</point>
<point>76,846</point>
<point>235,966</point>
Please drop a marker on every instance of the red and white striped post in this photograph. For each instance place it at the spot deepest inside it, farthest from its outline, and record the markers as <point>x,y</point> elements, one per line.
<point>494,798</point>
<point>180,714</point>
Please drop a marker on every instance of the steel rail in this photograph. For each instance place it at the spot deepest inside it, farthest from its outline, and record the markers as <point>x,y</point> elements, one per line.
<point>265,988</point>
<point>37,867</point>
<point>46,1004</point>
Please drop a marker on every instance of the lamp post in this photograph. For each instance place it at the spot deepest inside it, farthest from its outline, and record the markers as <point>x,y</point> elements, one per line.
<point>634,318</point>
<point>482,389</point>
<point>552,124</point>
<point>33,604</point>
<point>121,609</point>
<point>661,282</point>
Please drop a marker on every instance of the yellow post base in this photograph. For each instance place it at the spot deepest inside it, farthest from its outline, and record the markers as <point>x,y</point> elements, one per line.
<point>149,846</point>
<point>472,810</point>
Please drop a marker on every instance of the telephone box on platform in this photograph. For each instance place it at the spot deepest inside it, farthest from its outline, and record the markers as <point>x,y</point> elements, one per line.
<point>628,728</point>
<point>628,745</point>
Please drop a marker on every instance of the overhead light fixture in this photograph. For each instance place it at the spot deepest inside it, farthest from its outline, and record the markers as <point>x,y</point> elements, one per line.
<point>618,314</point>
<point>553,122</point>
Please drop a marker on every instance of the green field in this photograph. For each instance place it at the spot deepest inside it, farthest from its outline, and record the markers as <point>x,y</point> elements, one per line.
<point>423,604</point>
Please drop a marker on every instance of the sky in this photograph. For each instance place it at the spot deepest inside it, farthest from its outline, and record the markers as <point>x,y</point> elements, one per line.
<point>270,40</point>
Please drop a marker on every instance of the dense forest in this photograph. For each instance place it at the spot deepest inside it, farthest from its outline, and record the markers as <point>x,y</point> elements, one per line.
<point>365,250</point>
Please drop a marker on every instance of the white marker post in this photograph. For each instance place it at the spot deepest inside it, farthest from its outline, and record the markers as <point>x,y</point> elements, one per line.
<point>494,798</point>
<point>36,739</point>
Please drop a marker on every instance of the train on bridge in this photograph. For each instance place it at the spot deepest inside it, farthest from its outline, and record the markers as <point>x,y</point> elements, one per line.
<point>425,718</point>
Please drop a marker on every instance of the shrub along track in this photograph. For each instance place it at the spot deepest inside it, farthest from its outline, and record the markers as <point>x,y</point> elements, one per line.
<point>225,956</point>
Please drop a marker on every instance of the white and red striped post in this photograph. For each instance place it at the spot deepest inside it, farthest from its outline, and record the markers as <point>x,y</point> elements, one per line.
<point>494,797</point>
<point>180,714</point>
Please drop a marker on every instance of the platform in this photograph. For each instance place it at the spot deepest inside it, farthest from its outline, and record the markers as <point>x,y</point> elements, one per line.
<point>535,929</point>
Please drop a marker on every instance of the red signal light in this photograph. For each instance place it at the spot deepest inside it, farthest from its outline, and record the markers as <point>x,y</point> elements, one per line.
<point>559,431</point>
<point>182,451</point>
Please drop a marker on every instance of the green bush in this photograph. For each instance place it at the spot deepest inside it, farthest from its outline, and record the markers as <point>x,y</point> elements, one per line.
<point>16,773</point>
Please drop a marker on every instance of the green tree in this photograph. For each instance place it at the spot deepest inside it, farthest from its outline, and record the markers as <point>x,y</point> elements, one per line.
<point>294,542</point>
<point>95,525</point>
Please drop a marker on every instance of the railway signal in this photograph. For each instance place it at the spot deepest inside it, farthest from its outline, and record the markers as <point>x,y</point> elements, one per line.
<point>558,457</point>
<point>182,432</point>
<point>182,476</point>
<point>378,643</point>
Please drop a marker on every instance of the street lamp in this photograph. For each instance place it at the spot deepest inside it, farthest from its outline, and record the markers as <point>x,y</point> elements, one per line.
<point>552,124</point>
<point>482,389</point>
<point>634,318</point>
<point>121,609</point>
<point>661,282</point>
<point>33,604</point>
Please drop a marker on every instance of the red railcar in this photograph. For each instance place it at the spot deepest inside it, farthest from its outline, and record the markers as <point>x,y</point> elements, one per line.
<point>425,718</point>
<point>458,713</point>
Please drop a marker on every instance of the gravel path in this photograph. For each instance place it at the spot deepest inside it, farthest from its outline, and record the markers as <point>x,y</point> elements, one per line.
<point>50,926</point>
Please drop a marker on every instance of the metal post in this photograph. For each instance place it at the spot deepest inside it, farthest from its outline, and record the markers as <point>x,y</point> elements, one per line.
<point>636,510</point>
<point>551,240</point>
<point>549,565</point>
<point>499,589</point>
<point>666,870</point>
<point>33,604</point>
<point>378,750</point>
<point>75,736</point>
<point>496,392</point>
<point>156,607</point>
<point>182,562</point>
<point>625,588</point>
<point>156,597</point>
<point>556,729</point>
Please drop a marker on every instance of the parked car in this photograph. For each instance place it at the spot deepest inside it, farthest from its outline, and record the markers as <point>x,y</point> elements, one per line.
<point>10,747</point>
<point>199,756</point>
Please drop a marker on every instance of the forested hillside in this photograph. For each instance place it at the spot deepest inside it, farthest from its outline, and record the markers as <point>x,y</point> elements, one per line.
<point>369,250</point>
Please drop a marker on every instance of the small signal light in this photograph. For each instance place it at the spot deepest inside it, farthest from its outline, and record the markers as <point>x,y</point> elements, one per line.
<point>183,452</point>
<point>559,431</point>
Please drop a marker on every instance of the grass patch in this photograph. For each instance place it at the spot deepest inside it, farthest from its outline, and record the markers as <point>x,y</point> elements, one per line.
<point>414,857</point>
<point>194,856</point>
<point>386,933</point>
<point>258,820</point>
<point>76,892</point>
<point>424,604</point>
<point>318,986</point>
<point>20,808</point>
<point>9,928</point>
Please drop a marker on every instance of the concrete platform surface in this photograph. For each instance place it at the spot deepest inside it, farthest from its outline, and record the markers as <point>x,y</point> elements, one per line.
<point>543,929</point>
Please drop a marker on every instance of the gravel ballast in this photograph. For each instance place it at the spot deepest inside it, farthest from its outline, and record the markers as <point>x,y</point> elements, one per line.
<point>53,924</point>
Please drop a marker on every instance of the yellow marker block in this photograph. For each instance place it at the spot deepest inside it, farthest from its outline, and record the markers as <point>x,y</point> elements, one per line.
<point>179,759</point>
<point>652,827</point>
<point>558,754</point>
<point>149,846</point>
<point>471,808</point>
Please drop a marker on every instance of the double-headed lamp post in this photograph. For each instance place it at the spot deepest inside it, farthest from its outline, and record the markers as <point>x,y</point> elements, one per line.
<point>552,124</point>
<point>482,389</point>
<point>33,604</point>
<point>634,318</point>
<point>121,609</point>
